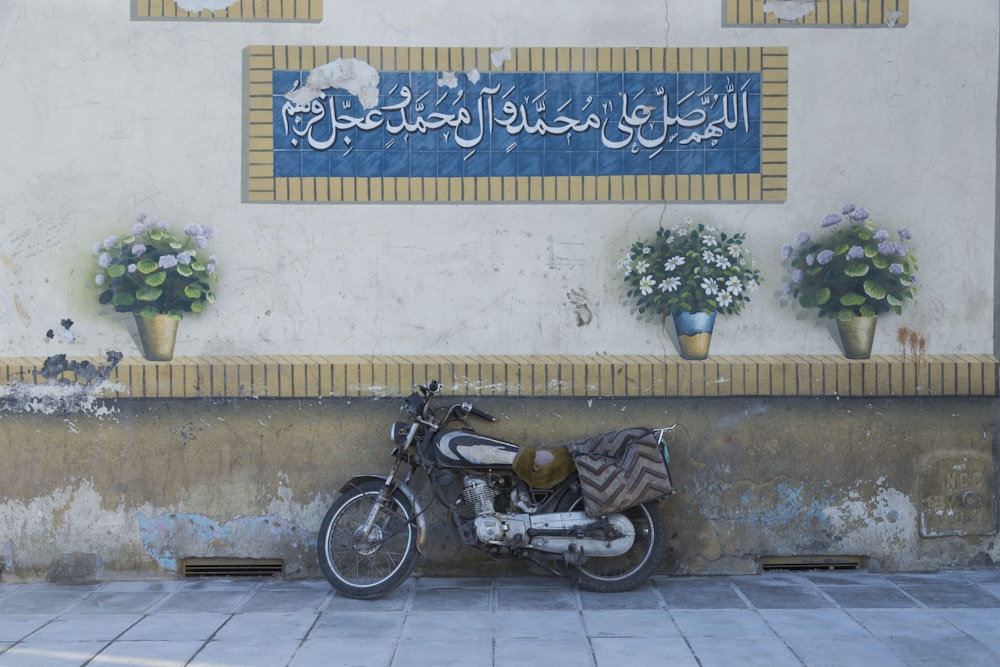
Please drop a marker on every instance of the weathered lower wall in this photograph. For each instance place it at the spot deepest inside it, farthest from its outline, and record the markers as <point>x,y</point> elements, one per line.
<point>130,488</point>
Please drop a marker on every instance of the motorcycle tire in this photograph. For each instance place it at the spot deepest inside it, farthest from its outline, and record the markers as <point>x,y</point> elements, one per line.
<point>365,567</point>
<point>617,574</point>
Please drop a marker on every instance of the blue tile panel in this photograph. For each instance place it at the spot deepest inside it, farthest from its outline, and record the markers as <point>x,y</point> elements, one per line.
<point>523,124</point>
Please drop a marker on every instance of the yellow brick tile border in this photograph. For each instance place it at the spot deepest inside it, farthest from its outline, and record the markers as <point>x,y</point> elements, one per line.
<point>238,10</point>
<point>828,13</point>
<point>557,376</point>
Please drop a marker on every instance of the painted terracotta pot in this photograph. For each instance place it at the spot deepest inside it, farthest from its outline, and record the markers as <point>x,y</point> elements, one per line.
<point>157,336</point>
<point>694,333</point>
<point>857,335</point>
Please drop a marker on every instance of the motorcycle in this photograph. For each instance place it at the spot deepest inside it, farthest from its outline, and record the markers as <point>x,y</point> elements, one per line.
<point>588,510</point>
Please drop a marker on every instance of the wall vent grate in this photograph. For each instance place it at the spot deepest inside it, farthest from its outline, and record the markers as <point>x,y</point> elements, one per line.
<point>232,567</point>
<point>800,563</point>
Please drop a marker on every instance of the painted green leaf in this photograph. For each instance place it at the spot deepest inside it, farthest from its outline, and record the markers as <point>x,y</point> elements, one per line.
<point>149,312</point>
<point>823,296</point>
<point>147,265</point>
<point>123,299</point>
<point>192,291</point>
<point>874,290</point>
<point>156,279</point>
<point>855,269</point>
<point>184,270</point>
<point>852,299</point>
<point>147,293</point>
<point>116,271</point>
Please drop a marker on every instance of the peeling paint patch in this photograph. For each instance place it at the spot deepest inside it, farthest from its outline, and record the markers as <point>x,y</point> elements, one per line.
<point>790,10</point>
<point>499,57</point>
<point>881,524</point>
<point>350,74</point>
<point>201,5</point>
<point>52,398</point>
<point>172,536</point>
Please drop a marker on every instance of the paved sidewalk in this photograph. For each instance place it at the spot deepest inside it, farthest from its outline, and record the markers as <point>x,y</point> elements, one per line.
<point>775,619</point>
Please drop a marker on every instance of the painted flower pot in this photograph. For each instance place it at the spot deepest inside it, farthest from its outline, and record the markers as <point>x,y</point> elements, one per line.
<point>694,333</point>
<point>157,336</point>
<point>857,335</point>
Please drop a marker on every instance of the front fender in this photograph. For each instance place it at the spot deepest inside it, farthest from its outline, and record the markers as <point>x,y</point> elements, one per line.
<point>418,510</point>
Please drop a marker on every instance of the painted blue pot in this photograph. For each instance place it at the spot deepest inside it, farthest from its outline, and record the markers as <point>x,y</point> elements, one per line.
<point>694,333</point>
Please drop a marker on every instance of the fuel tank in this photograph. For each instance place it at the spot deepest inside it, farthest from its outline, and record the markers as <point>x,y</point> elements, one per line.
<point>455,448</point>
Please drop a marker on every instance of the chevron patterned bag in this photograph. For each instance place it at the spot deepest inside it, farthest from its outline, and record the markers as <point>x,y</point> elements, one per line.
<point>621,469</point>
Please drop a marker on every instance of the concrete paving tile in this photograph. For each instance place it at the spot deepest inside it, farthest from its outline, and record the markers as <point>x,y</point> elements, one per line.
<point>950,594</point>
<point>257,628</point>
<point>911,623</point>
<point>730,623</point>
<point>270,654</point>
<point>544,653</point>
<point>869,597</point>
<point>358,625</point>
<point>639,623</point>
<point>745,652</point>
<point>396,600</point>
<point>180,627</point>
<point>62,654</point>
<point>286,600</point>
<point>148,653</point>
<point>452,599</point>
<point>457,651</point>
<point>779,593</point>
<point>844,652</point>
<point>118,603</point>
<point>453,582</point>
<point>925,652</point>
<point>15,628</point>
<point>141,587</point>
<point>644,597</point>
<point>700,593</point>
<point>847,578</point>
<point>537,598</point>
<point>42,599</point>
<point>221,601</point>
<point>981,576</point>
<point>344,653</point>
<point>444,624</point>
<point>981,624</point>
<point>82,628</point>
<point>520,624</point>
<point>642,652</point>
<point>813,623</point>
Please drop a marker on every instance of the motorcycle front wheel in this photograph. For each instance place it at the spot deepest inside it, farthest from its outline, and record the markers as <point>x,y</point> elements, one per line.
<point>616,574</point>
<point>361,565</point>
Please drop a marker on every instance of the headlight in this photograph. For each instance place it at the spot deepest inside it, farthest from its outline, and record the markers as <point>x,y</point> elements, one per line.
<point>397,432</point>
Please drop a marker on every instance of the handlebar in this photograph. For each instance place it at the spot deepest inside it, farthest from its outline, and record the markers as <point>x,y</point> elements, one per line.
<point>479,413</point>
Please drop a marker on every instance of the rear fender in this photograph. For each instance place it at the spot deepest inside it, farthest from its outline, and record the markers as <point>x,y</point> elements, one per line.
<point>418,511</point>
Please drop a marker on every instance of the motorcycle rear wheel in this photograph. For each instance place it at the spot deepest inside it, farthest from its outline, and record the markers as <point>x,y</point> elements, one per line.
<point>367,566</point>
<point>617,574</point>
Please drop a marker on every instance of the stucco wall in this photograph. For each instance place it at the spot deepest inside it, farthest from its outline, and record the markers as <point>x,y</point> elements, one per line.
<point>107,116</point>
<point>141,484</point>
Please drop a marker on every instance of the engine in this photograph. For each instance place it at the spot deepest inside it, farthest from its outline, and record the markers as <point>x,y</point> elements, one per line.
<point>560,532</point>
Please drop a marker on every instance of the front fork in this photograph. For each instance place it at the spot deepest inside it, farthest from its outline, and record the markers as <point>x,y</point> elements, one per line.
<point>389,485</point>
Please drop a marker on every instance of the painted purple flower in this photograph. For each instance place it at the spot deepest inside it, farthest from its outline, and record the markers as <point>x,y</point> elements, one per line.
<point>810,259</point>
<point>193,229</point>
<point>138,249</point>
<point>901,249</point>
<point>132,268</point>
<point>104,260</point>
<point>859,215</point>
<point>797,275</point>
<point>786,251</point>
<point>789,288</point>
<point>831,220</point>
<point>847,208</point>
<point>856,252</point>
<point>200,241</point>
<point>184,258</point>
<point>802,238</point>
<point>99,279</point>
<point>886,248</point>
<point>881,235</point>
<point>168,262</point>
<point>895,268</point>
<point>904,233</point>
<point>140,216</point>
<point>824,257</point>
<point>110,242</point>
<point>208,232</point>
<point>138,229</point>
